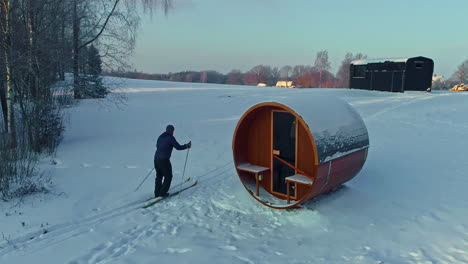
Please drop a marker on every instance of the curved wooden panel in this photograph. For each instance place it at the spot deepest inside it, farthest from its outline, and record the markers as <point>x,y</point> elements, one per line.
<point>253,144</point>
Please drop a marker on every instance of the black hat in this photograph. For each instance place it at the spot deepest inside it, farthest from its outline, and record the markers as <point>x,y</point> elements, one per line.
<point>170,129</point>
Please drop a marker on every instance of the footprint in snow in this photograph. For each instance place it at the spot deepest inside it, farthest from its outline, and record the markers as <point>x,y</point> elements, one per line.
<point>229,247</point>
<point>178,250</point>
<point>85,165</point>
<point>131,167</point>
<point>245,260</point>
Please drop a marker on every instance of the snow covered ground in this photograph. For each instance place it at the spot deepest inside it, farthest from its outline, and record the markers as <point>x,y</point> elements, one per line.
<point>409,204</point>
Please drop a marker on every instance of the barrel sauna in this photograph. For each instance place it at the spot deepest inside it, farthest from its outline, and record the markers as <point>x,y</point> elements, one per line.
<point>288,151</point>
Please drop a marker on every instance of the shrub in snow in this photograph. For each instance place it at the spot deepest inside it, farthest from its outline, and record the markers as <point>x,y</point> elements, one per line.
<point>18,172</point>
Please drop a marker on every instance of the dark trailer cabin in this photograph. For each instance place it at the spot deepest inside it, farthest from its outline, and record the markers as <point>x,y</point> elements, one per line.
<point>392,75</point>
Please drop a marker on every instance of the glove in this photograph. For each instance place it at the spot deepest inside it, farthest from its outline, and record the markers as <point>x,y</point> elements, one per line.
<point>189,145</point>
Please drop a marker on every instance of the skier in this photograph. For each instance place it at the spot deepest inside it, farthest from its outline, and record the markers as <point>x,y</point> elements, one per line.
<point>162,163</point>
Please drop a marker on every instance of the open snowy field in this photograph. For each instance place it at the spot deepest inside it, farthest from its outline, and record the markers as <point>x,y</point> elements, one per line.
<point>409,204</point>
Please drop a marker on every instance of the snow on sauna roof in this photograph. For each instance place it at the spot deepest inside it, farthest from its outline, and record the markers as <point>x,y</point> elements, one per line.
<point>378,60</point>
<point>336,127</point>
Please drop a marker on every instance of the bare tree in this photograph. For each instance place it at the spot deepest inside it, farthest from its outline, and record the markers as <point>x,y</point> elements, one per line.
<point>111,23</point>
<point>360,56</point>
<point>28,64</point>
<point>262,74</point>
<point>42,39</point>
<point>298,70</point>
<point>343,72</point>
<point>250,78</point>
<point>6,46</point>
<point>461,75</point>
<point>285,72</point>
<point>234,77</point>
<point>275,75</point>
<point>322,63</point>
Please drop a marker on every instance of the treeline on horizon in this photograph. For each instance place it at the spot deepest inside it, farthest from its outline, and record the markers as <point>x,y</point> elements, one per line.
<point>317,75</point>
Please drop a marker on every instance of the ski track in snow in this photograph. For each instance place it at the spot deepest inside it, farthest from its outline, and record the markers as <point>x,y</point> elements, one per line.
<point>362,222</point>
<point>159,228</point>
<point>63,231</point>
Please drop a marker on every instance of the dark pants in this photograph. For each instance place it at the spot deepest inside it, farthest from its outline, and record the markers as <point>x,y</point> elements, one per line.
<point>163,170</point>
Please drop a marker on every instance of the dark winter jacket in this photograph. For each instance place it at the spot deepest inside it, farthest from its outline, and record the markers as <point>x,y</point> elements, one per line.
<point>164,146</point>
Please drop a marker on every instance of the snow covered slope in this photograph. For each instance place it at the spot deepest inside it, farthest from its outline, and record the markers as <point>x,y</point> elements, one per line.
<point>408,204</point>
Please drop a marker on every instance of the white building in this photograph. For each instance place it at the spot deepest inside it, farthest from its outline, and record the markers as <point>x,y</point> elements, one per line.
<point>437,78</point>
<point>286,84</point>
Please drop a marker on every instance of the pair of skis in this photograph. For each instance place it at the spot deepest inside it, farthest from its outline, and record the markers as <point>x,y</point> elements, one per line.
<point>156,200</point>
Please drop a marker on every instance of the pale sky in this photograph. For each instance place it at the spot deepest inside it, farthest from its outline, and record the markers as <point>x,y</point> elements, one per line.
<point>223,35</point>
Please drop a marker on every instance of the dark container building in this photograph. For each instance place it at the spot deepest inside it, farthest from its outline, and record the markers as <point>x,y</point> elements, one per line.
<point>392,74</point>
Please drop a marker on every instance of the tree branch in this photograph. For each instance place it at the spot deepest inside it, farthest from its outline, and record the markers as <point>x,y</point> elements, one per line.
<point>103,27</point>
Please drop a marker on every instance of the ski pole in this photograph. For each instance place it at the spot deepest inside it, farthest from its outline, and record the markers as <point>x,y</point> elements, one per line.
<point>185,166</point>
<point>144,180</point>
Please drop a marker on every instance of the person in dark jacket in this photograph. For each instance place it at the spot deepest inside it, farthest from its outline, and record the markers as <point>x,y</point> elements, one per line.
<point>166,142</point>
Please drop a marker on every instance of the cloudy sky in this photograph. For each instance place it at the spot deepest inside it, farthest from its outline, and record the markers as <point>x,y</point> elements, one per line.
<point>238,34</point>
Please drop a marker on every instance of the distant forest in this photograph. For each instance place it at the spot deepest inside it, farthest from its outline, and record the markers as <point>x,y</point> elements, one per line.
<point>317,75</point>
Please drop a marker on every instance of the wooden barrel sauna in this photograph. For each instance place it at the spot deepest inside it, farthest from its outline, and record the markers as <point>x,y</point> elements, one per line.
<point>290,150</point>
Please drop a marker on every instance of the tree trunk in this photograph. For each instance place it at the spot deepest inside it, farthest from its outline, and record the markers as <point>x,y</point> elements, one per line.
<point>61,66</point>
<point>4,57</point>
<point>9,111</point>
<point>31,50</point>
<point>76,50</point>
<point>6,49</point>
<point>9,115</point>
<point>320,82</point>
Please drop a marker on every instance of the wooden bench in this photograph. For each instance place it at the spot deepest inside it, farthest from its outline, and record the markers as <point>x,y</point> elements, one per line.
<point>256,170</point>
<point>297,179</point>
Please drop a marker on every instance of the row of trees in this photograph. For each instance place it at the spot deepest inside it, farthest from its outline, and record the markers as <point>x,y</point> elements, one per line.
<point>308,76</point>
<point>458,77</point>
<point>40,41</point>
